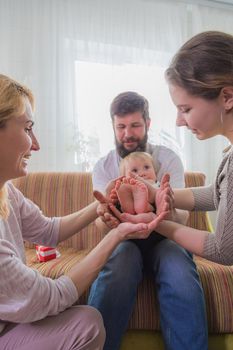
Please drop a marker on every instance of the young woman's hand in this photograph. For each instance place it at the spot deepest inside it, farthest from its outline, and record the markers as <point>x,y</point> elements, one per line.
<point>164,198</point>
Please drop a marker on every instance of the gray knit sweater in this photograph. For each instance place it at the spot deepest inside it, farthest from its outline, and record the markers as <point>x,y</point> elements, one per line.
<point>218,246</point>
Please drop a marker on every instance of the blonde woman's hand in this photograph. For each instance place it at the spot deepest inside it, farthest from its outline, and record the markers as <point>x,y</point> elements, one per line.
<point>128,230</point>
<point>104,211</point>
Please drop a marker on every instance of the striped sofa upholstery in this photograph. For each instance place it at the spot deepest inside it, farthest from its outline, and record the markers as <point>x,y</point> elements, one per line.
<point>59,194</point>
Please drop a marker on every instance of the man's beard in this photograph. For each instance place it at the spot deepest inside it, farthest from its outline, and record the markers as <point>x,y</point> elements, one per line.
<point>141,146</point>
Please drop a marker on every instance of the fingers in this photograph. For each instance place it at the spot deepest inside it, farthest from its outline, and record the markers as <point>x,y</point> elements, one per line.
<point>102,209</point>
<point>154,223</point>
<point>100,197</point>
<point>142,234</point>
<point>110,220</point>
<point>128,230</point>
<point>112,223</point>
<point>165,181</point>
<point>165,178</point>
<point>115,211</point>
<point>113,196</point>
<point>164,199</point>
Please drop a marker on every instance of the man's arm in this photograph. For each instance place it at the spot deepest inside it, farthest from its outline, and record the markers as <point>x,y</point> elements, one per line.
<point>105,170</point>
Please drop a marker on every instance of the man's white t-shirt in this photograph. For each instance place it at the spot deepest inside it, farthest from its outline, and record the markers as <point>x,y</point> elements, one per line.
<point>166,161</point>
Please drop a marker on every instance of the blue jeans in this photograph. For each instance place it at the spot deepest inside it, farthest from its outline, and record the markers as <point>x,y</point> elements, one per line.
<point>180,295</point>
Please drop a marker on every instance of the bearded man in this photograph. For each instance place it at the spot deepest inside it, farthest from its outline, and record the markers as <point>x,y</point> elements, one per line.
<point>179,292</point>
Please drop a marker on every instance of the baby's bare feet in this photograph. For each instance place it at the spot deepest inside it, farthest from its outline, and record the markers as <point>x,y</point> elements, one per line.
<point>133,196</point>
<point>125,196</point>
<point>113,196</point>
<point>140,197</point>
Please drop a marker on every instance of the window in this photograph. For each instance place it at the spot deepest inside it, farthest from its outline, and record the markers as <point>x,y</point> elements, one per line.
<point>96,84</point>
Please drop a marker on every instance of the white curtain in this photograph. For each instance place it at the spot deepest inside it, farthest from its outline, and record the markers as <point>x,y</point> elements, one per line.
<point>42,40</point>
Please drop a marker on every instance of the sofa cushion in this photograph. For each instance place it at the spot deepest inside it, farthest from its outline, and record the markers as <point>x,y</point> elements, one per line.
<point>216,280</point>
<point>63,193</point>
<point>59,266</point>
<point>217,283</point>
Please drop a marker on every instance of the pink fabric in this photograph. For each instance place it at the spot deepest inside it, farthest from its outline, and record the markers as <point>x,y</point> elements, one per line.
<point>77,328</point>
<point>26,295</point>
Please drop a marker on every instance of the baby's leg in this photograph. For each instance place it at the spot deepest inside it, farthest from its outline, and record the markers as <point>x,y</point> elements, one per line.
<point>125,196</point>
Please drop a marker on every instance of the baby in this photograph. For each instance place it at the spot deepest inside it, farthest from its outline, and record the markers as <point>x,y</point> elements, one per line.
<point>130,194</point>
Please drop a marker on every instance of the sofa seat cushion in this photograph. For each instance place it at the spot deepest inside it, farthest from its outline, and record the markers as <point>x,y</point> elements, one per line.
<point>59,194</point>
<point>217,282</point>
<point>59,266</point>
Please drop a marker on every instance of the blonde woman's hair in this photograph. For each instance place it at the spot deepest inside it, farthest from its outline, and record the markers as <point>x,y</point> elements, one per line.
<point>134,156</point>
<point>4,208</point>
<point>12,104</point>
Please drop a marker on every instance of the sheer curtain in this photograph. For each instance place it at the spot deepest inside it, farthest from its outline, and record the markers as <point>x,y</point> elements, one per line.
<point>42,41</point>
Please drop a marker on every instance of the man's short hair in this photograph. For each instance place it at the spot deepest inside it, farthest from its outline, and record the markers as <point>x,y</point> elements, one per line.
<point>129,102</point>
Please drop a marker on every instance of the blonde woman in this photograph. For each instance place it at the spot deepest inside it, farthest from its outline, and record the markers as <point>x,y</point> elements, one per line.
<point>36,312</point>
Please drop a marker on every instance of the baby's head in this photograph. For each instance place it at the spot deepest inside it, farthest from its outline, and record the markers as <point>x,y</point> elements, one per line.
<point>139,163</point>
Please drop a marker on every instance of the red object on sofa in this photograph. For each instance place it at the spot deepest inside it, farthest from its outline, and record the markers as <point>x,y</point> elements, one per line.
<point>45,253</point>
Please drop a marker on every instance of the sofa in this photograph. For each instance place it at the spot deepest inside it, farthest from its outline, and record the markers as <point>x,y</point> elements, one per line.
<point>59,194</point>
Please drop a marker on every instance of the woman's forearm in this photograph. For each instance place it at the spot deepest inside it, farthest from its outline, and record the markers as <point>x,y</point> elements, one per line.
<point>75,222</point>
<point>179,216</point>
<point>189,238</point>
<point>183,199</point>
<point>85,272</point>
